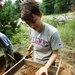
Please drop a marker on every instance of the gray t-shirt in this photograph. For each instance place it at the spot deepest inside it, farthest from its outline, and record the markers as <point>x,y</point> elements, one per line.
<point>45,42</point>
<point>4,42</point>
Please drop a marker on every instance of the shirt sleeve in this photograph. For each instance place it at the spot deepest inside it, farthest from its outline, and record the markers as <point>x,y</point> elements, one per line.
<point>56,42</point>
<point>4,42</point>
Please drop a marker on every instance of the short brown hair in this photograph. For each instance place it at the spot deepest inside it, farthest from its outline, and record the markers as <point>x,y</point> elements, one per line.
<point>28,8</point>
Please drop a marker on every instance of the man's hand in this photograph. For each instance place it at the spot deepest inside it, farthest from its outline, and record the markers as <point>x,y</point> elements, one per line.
<point>42,71</point>
<point>28,54</point>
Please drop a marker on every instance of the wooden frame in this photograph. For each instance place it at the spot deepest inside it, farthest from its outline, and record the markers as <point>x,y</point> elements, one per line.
<point>24,61</point>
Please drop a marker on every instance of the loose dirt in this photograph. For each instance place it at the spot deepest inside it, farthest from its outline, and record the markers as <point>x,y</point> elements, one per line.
<point>67,66</point>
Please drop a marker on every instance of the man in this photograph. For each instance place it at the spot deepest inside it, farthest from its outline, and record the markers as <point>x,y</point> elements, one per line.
<point>45,39</point>
<point>8,50</point>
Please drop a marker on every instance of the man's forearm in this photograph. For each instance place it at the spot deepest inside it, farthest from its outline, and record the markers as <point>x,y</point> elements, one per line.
<point>30,47</point>
<point>28,52</point>
<point>52,59</point>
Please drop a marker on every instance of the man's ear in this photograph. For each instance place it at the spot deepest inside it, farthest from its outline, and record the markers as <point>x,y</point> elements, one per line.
<point>40,14</point>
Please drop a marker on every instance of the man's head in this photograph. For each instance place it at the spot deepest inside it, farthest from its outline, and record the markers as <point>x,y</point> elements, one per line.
<point>28,8</point>
<point>2,3</point>
<point>31,14</point>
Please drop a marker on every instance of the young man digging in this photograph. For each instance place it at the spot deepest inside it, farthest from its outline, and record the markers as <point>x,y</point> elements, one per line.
<point>45,38</point>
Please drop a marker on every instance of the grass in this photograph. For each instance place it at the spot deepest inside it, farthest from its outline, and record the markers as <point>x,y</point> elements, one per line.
<point>24,40</point>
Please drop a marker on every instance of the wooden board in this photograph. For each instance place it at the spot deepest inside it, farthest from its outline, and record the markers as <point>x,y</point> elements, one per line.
<point>24,61</point>
<point>2,70</point>
<point>38,65</point>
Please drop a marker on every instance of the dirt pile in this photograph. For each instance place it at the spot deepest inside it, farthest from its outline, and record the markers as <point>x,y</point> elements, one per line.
<point>68,62</point>
<point>66,69</point>
<point>26,70</point>
<point>29,70</point>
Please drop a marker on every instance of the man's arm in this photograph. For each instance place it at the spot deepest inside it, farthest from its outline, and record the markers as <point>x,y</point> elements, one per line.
<point>44,69</point>
<point>30,47</point>
<point>52,58</point>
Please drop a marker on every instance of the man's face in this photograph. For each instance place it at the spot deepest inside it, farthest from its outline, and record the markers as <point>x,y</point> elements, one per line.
<point>2,3</point>
<point>35,23</point>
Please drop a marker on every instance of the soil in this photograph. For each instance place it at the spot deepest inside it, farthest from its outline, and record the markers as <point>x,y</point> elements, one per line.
<point>29,70</point>
<point>68,61</point>
<point>67,66</point>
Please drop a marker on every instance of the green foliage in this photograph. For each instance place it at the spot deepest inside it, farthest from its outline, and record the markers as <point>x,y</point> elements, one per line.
<point>20,40</point>
<point>5,13</point>
<point>8,17</point>
<point>16,39</point>
<point>56,6</point>
<point>74,2</point>
<point>22,35</point>
<point>72,24</point>
<point>16,9</point>
<point>48,6</point>
<point>8,30</point>
<point>60,6</point>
